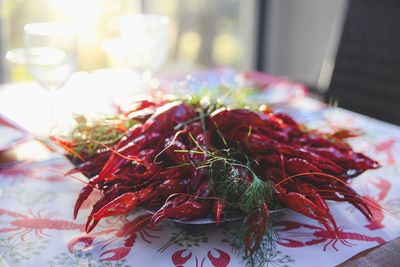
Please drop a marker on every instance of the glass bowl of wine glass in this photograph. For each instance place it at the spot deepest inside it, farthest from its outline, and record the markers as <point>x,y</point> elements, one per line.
<point>50,56</point>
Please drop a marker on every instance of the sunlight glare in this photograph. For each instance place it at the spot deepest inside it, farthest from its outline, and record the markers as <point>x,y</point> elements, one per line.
<point>85,13</point>
<point>86,10</point>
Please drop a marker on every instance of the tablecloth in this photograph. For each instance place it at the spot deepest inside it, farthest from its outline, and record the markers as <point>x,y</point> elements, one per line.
<point>37,229</point>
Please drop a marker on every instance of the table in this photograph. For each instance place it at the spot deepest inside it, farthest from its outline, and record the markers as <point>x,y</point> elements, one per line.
<point>36,226</point>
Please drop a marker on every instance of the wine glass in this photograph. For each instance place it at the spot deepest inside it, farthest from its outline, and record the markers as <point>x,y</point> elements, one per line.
<point>50,56</point>
<point>144,40</point>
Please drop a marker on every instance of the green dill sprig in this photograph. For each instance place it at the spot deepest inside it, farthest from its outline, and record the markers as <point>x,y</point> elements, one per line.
<point>232,178</point>
<point>88,136</point>
<point>224,96</point>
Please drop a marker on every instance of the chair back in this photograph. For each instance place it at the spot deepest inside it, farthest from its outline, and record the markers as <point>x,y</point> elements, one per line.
<point>366,76</point>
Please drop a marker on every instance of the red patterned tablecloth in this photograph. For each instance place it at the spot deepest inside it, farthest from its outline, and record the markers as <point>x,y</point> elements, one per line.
<point>36,226</point>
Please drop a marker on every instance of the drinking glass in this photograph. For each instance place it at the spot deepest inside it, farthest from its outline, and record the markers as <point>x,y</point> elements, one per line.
<point>145,43</point>
<point>50,56</point>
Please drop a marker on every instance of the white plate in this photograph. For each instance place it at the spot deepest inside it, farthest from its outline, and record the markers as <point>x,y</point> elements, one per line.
<point>210,219</point>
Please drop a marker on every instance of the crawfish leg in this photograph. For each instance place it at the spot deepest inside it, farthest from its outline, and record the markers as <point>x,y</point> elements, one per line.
<point>299,203</point>
<point>188,209</point>
<point>218,208</point>
<point>83,195</point>
<point>256,225</point>
<point>121,205</point>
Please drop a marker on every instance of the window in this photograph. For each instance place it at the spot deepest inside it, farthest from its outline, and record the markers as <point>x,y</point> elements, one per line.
<point>203,32</point>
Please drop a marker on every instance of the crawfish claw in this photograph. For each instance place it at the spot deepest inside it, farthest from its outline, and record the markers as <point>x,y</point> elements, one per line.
<point>116,253</point>
<point>83,195</point>
<point>178,259</point>
<point>86,240</point>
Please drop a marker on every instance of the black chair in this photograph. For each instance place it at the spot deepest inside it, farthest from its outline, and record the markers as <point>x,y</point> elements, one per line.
<point>366,76</point>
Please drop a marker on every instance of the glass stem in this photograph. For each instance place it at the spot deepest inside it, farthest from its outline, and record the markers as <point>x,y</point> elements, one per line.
<point>145,82</point>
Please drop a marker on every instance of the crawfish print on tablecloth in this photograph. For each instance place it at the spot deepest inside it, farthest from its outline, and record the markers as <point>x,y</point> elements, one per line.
<point>381,188</point>
<point>384,205</point>
<point>121,230</point>
<point>318,235</point>
<point>80,258</point>
<point>46,171</point>
<point>387,148</point>
<point>187,239</point>
<point>21,225</point>
<point>185,256</point>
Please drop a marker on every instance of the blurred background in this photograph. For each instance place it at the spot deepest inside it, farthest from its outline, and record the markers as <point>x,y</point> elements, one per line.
<point>346,51</point>
<point>287,38</point>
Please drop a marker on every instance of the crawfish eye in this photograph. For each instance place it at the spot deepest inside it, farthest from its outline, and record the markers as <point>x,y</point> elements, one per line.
<point>352,172</point>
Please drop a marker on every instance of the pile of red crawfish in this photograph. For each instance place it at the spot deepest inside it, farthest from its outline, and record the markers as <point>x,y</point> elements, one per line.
<point>188,160</point>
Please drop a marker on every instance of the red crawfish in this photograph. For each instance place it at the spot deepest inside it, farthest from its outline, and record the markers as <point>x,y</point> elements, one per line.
<point>162,121</point>
<point>127,202</point>
<point>126,154</point>
<point>343,193</point>
<point>181,207</point>
<point>112,165</point>
<point>268,133</point>
<point>262,144</point>
<point>311,193</point>
<point>134,107</point>
<point>218,207</point>
<point>226,120</point>
<point>279,146</point>
<point>299,203</point>
<point>168,116</point>
<point>123,204</point>
<point>169,186</point>
<point>256,226</point>
<point>92,166</point>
